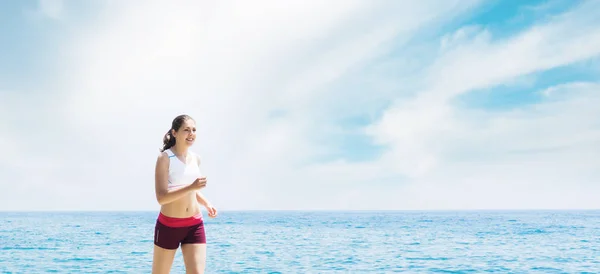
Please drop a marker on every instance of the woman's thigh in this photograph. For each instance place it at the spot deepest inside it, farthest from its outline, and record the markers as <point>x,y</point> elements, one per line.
<point>162,260</point>
<point>194,257</point>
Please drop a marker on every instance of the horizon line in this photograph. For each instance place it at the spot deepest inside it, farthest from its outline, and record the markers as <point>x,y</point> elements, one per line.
<point>306,210</point>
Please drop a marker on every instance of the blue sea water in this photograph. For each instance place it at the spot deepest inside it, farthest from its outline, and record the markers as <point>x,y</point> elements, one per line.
<point>312,242</point>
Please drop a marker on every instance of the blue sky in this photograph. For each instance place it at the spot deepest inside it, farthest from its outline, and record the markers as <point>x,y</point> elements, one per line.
<point>366,105</point>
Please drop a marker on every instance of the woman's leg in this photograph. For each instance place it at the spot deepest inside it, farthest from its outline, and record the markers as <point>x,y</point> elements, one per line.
<point>166,242</point>
<point>194,257</point>
<point>193,248</point>
<point>162,260</point>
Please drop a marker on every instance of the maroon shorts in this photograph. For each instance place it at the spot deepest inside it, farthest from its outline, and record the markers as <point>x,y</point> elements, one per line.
<point>169,232</point>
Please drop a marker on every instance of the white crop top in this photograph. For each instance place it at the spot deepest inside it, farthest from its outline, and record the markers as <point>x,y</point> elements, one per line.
<point>182,174</point>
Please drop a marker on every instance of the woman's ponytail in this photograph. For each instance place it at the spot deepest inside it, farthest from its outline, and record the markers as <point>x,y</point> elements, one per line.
<point>168,141</point>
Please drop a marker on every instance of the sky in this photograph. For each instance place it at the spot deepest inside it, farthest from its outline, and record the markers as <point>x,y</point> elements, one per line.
<point>303,105</point>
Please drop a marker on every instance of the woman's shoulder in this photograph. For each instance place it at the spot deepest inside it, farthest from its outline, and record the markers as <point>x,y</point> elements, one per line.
<point>162,156</point>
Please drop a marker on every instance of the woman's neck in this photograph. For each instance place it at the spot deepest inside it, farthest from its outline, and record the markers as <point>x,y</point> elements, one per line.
<point>180,150</point>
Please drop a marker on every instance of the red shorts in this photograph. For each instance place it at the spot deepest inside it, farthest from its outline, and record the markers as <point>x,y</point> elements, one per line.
<point>169,232</point>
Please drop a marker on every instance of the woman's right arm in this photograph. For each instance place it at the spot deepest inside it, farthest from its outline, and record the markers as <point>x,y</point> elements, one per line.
<point>161,184</point>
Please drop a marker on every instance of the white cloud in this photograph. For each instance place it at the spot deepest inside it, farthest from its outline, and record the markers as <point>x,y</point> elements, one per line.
<point>47,9</point>
<point>228,65</point>
<point>487,159</point>
<point>414,128</point>
<point>232,66</point>
<point>30,157</point>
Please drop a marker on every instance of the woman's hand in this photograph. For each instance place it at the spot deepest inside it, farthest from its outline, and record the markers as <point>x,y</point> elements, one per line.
<point>199,183</point>
<point>212,211</point>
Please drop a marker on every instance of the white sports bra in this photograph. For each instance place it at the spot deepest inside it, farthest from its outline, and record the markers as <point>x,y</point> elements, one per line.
<point>182,174</point>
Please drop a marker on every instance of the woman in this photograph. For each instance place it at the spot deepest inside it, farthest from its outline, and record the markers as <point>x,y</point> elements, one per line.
<point>177,184</point>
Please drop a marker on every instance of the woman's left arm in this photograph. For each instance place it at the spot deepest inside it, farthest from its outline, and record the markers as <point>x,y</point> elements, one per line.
<point>212,211</point>
<point>201,199</point>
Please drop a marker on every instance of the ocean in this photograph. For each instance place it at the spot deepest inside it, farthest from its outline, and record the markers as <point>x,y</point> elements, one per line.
<point>312,242</point>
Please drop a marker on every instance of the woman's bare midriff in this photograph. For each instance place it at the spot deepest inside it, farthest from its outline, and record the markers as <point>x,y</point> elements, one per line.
<point>184,207</point>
